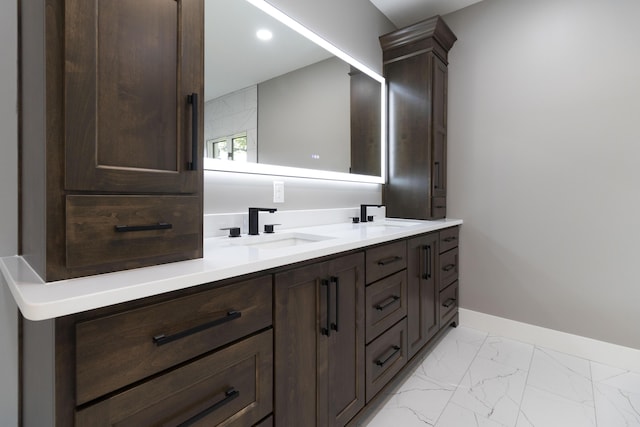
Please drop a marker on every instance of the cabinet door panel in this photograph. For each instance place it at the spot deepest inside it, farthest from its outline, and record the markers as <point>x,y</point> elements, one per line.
<point>127,78</point>
<point>346,380</point>
<point>231,387</point>
<point>422,310</point>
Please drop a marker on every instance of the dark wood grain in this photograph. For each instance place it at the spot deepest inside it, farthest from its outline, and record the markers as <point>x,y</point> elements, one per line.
<point>383,260</point>
<point>117,350</point>
<point>365,124</point>
<point>383,350</point>
<point>386,304</point>
<point>415,66</point>
<point>422,272</point>
<point>319,378</point>
<point>184,393</point>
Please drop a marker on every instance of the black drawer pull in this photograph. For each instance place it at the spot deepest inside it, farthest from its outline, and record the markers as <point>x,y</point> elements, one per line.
<point>449,239</point>
<point>327,329</point>
<point>193,100</point>
<point>158,226</point>
<point>395,349</point>
<point>390,300</point>
<point>389,260</point>
<point>448,267</point>
<point>229,396</point>
<point>427,262</point>
<point>162,339</point>
<point>336,281</point>
<point>448,303</point>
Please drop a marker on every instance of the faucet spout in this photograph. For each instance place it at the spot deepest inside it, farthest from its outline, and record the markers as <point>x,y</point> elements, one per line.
<point>253,219</point>
<point>363,211</point>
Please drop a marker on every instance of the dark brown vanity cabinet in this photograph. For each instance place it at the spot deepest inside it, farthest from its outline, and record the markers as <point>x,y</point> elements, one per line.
<point>110,111</point>
<point>415,66</point>
<point>319,341</point>
<point>199,357</point>
<point>423,291</point>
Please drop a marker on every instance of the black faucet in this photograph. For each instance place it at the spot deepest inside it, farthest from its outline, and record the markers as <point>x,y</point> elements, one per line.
<point>363,211</point>
<point>253,219</point>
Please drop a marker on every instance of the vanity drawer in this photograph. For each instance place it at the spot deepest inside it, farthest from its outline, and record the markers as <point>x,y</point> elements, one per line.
<point>385,260</point>
<point>448,267</point>
<point>131,231</point>
<point>117,350</point>
<point>449,238</point>
<point>386,304</point>
<point>385,357</point>
<point>232,386</point>
<point>448,303</point>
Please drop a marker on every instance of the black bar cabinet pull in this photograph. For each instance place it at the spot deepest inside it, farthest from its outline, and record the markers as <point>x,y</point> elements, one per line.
<point>336,281</point>
<point>193,100</point>
<point>395,349</point>
<point>436,184</point>
<point>158,226</point>
<point>327,329</point>
<point>427,262</point>
<point>448,303</point>
<point>390,300</point>
<point>449,239</point>
<point>389,260</point>
<point>162,339</point>
<point>229,396</point>
<point>449,267</point>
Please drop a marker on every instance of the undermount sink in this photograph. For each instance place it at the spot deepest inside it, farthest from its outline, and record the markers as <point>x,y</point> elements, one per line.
<point>279,240</point>
<point>390,224</point>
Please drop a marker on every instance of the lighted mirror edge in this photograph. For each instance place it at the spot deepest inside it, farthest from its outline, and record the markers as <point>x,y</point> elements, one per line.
<point>258,168</point>
<point>262,169</point>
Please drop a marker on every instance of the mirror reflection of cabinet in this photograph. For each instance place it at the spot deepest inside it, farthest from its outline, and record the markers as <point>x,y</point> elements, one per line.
<point>415,65</point>
<point>294,99</point>
<point>111,177</point>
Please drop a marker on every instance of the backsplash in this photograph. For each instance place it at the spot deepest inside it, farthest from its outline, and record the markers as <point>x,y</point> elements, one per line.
<point>287,219</point>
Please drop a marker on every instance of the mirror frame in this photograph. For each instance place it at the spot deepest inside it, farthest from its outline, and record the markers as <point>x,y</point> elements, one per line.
<point>265,169</point>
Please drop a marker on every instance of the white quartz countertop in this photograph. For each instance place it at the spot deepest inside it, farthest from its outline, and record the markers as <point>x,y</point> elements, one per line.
<point>223,258</point>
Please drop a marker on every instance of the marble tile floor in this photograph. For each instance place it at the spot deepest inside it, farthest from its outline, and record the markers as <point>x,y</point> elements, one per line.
<point>474,379</point>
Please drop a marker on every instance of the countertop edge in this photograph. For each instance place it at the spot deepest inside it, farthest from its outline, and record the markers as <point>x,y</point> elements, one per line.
<point>38,300</point>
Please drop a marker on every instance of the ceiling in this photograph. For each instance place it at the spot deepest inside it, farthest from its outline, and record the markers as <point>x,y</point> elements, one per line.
<point>406,12</point>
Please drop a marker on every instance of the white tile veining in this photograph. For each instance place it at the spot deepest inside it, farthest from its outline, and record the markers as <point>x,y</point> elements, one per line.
<point>478,380</point>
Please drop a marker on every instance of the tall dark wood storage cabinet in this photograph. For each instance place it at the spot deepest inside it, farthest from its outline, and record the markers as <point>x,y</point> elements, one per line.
<point>109,134</point>
<point>415,66</point>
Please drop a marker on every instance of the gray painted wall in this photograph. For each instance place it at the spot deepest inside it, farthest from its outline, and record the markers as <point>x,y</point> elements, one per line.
<point>304,114</point>
<point>544,162</point>
<point>8,211</point>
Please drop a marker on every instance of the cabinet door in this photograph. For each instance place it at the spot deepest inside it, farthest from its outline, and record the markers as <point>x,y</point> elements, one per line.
<point>319,336</point>
<point>422,309</point>
<point>345,377</point>
<point>130,66</point>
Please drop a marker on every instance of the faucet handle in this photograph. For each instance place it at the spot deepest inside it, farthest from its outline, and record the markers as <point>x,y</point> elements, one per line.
<point>355,219</point>
<point>268,228</point>
<point>233,231</point>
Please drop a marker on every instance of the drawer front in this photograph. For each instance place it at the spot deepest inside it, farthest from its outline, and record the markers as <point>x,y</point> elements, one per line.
<point>386,304</point>
<point>449,238</point>
<point>385,260</point>
<point>114,351</point>
<point>130,231</point>
<point>448,267</point>
<point>385,357</point>
<point>448,303</point>
<point>438,207</point>
<point>232,386</point>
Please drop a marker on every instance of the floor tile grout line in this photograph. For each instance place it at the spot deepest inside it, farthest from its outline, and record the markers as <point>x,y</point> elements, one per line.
<point>461,379</point>
<point>593,392</point>
<point>526,382</point>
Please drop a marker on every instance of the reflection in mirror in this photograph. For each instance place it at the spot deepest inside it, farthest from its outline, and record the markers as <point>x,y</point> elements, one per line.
<point>287,105</point>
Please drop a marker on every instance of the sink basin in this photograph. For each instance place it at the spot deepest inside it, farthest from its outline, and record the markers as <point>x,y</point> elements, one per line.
<point>389,224</point>
<point>280,240</point>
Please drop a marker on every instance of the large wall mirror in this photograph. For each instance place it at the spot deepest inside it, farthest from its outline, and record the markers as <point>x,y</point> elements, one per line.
<point>280,100</point>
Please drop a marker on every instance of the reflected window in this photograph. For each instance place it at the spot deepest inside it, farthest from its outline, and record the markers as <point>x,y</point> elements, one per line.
<point>233,147</point>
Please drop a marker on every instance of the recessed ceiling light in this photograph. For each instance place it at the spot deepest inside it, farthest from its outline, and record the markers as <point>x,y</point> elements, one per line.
<point>264,34</point>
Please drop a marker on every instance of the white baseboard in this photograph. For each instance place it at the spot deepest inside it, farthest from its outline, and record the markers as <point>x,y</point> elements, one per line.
<point>599,351</point>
